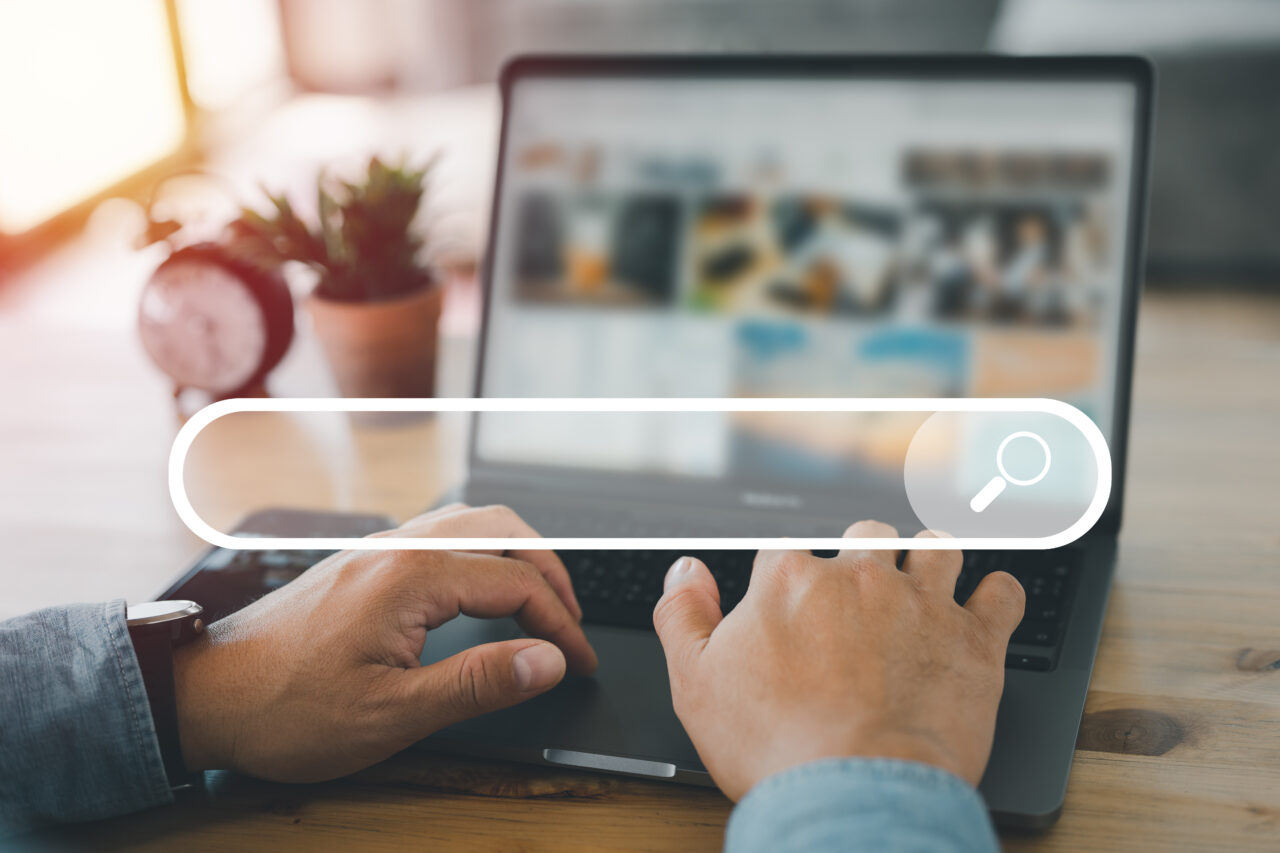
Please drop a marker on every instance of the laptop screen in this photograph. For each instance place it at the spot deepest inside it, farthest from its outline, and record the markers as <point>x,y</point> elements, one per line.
<point>784,237</point>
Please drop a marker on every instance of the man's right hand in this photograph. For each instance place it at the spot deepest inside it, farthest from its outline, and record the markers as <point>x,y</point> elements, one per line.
<point>838,657</point>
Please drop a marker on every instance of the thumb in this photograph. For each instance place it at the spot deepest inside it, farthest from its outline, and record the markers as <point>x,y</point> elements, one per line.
<point>483,678</point>
<point>687,613</point>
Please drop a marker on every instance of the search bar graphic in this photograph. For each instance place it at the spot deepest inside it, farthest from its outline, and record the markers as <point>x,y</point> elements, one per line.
<point>963,453</point>
<point>996,485</point>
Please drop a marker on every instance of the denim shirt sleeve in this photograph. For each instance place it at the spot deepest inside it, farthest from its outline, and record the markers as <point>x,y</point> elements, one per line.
<point>853,804</point>
<point>76,737</point>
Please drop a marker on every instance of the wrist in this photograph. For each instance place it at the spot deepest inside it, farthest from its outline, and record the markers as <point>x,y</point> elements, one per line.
<point>195,731</point>
<point>918,747</point>
<point>894,744</point>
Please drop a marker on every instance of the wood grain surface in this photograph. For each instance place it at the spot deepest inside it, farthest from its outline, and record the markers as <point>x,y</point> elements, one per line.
<point>1180,744</point>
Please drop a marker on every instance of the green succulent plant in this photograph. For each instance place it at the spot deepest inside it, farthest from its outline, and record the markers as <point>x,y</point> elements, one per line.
<point>363,244</point>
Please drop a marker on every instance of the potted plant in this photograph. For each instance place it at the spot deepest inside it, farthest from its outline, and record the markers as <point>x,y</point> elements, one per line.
<point>376,303</point>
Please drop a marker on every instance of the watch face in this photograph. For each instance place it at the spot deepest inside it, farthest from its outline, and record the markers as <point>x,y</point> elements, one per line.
<point>152,612</point>
<point>203,326</point>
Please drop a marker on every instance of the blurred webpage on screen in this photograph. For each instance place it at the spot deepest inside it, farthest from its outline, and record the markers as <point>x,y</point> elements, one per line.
<point>801,237</point>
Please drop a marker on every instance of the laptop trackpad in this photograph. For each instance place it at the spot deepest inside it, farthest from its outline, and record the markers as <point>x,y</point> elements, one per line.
<point>610,763</point>
<point>621,713</point>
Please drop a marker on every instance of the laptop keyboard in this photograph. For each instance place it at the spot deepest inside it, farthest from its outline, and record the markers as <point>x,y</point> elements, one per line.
<point>622,587</point>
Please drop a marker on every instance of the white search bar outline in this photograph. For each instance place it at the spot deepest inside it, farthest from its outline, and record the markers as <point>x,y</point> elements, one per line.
<point>186,436</point>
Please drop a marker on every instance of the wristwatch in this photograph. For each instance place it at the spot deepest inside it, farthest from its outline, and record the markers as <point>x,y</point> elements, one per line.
<point>157,628</point>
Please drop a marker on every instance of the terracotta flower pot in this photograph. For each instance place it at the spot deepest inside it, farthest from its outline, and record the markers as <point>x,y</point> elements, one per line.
<point>381,349</point>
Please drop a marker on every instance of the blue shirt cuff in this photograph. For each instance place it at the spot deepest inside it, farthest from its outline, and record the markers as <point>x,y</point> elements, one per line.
<point>861,804</point>
<point>77,740</point>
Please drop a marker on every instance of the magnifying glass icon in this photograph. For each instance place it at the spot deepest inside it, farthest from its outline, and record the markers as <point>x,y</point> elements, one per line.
<point>998,483</point>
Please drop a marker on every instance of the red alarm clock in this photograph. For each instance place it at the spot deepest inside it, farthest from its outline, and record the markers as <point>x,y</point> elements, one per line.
<point>215,322</point>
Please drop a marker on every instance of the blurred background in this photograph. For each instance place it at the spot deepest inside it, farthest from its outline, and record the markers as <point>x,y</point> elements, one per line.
<point>265,90</point>
<point>133,129</point>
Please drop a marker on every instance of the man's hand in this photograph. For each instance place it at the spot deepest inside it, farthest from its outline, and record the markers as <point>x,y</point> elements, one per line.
<point>837,657</point>
<point>322,677</point>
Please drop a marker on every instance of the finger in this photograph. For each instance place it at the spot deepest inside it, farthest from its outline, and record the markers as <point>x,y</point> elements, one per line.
<point>936,572</point>
<point>498,522</point>
<point>549,564</point>
<point>685,616</point>
<point>439,522</point>
<point>490,587</point>
<point>998,603</point>
<point>871,530</point>
<point>438,512</point>
<point>418,521</point>
<point>512,526</point>
<point>478,680</point>
<point>777,569</point>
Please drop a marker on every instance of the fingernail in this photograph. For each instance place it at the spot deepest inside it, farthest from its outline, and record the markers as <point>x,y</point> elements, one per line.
<point>537,666</point>
<point>681,570</point>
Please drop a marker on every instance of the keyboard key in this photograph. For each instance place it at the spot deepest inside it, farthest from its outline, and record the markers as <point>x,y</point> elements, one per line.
<point>1044,608</point>
<point>1035,663</point>
<point>1035,632</point>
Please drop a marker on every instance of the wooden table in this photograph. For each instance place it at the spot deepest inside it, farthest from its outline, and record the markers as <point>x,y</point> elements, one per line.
<point>1180,746</point>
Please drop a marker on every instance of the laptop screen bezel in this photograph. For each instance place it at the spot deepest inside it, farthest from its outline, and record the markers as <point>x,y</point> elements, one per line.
<point>1132,70</point>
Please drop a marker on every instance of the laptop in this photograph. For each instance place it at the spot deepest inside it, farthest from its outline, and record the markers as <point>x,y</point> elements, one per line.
<point>783,226</point>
